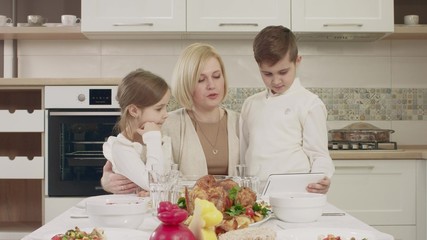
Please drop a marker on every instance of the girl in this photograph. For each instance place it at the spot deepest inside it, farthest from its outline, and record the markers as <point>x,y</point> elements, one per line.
<point>143,98</point>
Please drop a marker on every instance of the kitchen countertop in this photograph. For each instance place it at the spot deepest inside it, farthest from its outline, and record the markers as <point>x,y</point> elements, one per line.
<point>404,152</point>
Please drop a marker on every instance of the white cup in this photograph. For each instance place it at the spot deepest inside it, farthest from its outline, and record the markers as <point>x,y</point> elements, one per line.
<point>411,19</point>
<point>5,20</point>
<point>36,20</point>
<point>69,20</point>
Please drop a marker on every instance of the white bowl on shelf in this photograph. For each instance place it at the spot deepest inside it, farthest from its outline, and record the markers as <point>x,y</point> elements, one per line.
<point>298,207</point>
<point>117,212</point>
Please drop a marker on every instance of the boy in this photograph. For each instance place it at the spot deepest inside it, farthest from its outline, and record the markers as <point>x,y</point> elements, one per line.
<point>283,129</point>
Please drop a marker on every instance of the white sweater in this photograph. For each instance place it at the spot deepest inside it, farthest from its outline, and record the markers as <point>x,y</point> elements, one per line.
<point>285,133</point>
<point>133,160</point>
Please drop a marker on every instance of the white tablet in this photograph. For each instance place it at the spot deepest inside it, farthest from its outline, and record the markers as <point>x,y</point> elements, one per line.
<point>291,182</point>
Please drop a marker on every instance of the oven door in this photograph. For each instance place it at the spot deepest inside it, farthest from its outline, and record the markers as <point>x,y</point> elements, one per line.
<point>74,150</point>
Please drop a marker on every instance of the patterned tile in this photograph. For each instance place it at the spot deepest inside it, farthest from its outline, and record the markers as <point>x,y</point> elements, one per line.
<point>353,104</point>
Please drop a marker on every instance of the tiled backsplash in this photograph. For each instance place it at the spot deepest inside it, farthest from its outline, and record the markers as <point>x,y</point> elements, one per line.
<point>353,104</point>
<point>382,82</point>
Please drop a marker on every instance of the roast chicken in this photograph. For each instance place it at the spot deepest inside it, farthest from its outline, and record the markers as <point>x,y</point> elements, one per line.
<point>217,192</point>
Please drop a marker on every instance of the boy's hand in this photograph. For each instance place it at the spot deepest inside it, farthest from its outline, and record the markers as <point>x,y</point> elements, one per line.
<point>320,187</point>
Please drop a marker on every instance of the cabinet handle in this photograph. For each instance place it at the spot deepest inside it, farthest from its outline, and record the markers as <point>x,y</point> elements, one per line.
<point>367,168</point>
<point>132,24</point>
<point>349,167</point>
<point>343,25</point>
<point>238,24</point>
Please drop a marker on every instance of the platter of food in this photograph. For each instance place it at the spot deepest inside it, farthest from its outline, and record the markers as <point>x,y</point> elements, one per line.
<point>239,205</point>
<point>257,224</point>
<point>325,234</point>
<point>97,234</point>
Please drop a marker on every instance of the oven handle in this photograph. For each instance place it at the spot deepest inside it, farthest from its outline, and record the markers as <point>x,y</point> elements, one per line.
<point>84,113</point>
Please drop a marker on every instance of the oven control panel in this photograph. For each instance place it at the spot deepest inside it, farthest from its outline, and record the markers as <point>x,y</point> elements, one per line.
<point>100,96</point>
<point>80,97</point>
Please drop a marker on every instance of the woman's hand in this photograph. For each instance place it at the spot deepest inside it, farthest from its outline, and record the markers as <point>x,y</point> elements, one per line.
<point>321,186</point>
<point>116,183</point>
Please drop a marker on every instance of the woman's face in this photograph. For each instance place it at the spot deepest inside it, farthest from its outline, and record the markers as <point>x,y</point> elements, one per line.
<point>209,90</point>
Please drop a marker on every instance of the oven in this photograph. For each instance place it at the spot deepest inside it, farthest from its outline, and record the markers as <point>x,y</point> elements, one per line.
<point>79,120</point>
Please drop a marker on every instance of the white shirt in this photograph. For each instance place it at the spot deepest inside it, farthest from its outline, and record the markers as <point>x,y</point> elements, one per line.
<point>133,160</point>
<point>285,133</point>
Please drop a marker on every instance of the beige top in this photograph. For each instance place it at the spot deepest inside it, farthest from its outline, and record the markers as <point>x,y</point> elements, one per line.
<point>213,137</point>
<point>187,150</point>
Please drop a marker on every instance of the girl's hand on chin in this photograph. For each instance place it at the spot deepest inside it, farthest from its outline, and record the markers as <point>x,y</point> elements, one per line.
<point>147,127</point>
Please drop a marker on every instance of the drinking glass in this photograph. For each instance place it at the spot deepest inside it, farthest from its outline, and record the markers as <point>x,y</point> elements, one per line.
<point>251,182</point>
<point>162,179</point>
<point>247,180</point>
<point>241,170</point>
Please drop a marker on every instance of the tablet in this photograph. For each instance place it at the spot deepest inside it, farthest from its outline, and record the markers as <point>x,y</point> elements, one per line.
<point>290,182</point>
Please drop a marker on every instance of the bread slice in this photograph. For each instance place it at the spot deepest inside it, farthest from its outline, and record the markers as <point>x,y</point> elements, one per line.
<point>251,233</point>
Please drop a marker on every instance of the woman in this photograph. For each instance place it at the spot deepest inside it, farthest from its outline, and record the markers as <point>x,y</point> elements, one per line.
<point>204,135</point>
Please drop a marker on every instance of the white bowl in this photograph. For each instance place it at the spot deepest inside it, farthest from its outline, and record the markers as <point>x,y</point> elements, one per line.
<point>118,211</point>
<point>298,207</point>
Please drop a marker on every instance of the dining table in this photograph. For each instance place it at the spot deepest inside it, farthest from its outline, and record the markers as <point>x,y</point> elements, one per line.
<point>332,218</point>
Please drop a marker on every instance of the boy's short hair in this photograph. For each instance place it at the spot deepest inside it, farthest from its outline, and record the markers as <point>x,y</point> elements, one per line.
<point>273,43</point>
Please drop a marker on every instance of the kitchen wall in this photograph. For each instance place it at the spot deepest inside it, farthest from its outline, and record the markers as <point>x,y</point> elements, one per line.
<point>383,82</point>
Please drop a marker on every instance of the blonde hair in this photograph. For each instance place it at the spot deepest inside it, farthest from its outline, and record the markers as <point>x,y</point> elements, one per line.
<point>188,69</point>
<point>141,88</point>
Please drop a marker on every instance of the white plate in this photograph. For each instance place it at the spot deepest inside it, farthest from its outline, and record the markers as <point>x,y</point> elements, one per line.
<point>111,234</point>
<point>314,233</point>
<point>82,204</point>
<point>257,224</point>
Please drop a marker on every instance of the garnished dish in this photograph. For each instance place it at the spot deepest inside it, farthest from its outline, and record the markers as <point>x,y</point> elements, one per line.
<point>76,233</point>
<point>326,234</point>
<point>334,237</point>
<point>238,205</point>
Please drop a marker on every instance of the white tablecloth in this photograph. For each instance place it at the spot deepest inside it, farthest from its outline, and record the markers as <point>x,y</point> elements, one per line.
<point>75,216</point>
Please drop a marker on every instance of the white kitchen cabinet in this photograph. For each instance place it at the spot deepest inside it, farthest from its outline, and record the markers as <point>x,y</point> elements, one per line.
<point>342,16</point>
<point>236,15</point>
<point>22,121</point>
<point>389,194</point>
<point>400,232</point>
<point>132,16</point>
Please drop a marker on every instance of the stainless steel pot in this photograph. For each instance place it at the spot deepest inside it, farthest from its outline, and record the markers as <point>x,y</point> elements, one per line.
<point>360,132</point>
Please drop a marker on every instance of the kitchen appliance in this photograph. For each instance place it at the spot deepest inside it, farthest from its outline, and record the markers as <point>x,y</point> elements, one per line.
<point>361,136</point>
<point>79,120</point>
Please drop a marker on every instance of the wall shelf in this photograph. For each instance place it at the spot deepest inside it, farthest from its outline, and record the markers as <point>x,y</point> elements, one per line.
<point>408,32</point>
<point>45,33</point>
<point>67,33</point>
